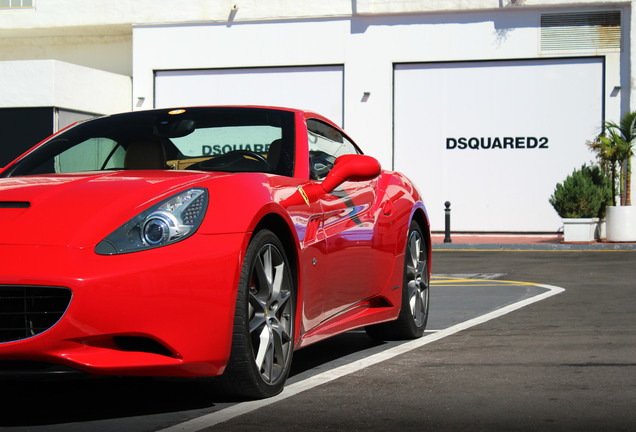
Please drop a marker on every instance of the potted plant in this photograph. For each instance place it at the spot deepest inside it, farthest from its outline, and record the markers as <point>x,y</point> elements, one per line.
<point>614,149</point>
<point>580,200</point>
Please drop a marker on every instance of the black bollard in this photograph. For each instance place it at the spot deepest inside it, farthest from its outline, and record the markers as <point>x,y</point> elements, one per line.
<point>447,235</point>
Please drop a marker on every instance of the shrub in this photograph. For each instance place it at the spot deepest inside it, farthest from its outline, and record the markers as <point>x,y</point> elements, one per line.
<point>583,194</point>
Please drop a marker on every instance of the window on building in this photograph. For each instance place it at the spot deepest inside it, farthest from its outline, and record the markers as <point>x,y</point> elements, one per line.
<point>17,4</point>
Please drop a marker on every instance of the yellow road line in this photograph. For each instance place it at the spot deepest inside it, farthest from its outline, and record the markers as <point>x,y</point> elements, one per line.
<point>477,282</point>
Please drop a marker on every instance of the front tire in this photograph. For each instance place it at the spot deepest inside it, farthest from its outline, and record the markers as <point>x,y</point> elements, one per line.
<point>413,316</point>
<point>263,336</point>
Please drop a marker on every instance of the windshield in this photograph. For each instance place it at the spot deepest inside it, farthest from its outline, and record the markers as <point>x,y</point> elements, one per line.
<point>208,139</point>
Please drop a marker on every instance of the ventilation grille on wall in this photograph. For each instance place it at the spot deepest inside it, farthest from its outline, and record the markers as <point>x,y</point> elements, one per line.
<point>581,31</point>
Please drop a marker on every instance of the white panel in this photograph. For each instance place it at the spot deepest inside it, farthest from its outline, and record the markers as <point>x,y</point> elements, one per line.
<point>59,84</point>
<point>501,185</point>
<point>66,118</point>
<point>317,88</point>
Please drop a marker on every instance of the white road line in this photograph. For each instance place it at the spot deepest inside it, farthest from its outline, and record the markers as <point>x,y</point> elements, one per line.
<point>238,409</point>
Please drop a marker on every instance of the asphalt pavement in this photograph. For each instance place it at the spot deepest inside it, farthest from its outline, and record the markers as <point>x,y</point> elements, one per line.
<point>564,363</point>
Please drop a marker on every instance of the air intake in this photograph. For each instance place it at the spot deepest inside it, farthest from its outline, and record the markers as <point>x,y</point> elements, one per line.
<point>26,311</point>
<point>15,204</point>
<point>581,31</point>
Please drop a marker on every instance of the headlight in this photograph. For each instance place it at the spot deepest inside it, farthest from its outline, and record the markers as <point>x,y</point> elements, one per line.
<point>170,221</point>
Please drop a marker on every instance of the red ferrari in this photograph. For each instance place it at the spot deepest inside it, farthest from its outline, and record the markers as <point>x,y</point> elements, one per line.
<point>199,242</point>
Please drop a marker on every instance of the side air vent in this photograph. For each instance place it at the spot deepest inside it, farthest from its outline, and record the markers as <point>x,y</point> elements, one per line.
<point>26,311</point>
<point>581,31</point>
<point>15,204</point>
<point>141,344</point>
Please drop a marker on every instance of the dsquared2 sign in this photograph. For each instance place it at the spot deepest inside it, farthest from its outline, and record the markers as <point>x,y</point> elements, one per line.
<point>490,143</point>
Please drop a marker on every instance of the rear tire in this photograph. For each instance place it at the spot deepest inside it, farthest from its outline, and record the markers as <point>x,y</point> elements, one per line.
<point>263,336</point>
<point>413,316</point>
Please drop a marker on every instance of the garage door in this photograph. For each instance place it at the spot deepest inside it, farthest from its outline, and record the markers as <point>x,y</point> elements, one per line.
<point>317,88</point>
<point>494,138</point>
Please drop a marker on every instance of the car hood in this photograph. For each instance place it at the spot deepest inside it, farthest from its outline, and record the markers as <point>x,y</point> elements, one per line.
<point>80,209</point>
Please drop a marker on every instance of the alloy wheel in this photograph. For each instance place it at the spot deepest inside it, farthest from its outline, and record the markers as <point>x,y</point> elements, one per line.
<point>270,314</point>
<point>417,278</point>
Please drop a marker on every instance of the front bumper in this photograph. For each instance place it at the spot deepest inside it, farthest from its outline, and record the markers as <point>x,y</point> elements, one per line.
<point>162,312</point>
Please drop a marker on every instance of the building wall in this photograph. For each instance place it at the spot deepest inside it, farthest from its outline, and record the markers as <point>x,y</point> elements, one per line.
<point>367,39</point>
<point>370,48</point>
<point>98,33</point>
<point>53,83</point>
<point>57,14</point>
<point>110,51</point>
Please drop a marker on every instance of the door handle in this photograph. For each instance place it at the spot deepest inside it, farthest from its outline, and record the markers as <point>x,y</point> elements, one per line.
<point>387,208</point>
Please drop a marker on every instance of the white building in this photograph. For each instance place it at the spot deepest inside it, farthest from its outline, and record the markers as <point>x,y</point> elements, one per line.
<point>484,103</point>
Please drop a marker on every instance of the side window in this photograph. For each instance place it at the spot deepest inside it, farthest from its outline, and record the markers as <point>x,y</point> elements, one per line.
<point>91,155</point>
<point>325,144</point>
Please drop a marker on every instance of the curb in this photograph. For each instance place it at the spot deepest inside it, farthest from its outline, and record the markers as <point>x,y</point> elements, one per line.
<point>536,246</point>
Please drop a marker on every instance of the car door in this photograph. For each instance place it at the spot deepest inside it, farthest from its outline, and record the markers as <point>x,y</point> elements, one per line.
<point>355,262</point>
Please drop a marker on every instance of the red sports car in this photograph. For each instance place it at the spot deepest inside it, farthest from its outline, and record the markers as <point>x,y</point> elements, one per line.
<point>202,241</point>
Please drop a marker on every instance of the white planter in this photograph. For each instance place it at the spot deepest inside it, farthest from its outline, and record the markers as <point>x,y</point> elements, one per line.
<point>579,229</point>
<point>621,223</point>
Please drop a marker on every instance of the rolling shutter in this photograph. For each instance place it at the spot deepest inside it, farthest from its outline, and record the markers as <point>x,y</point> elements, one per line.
<point>581,31</point>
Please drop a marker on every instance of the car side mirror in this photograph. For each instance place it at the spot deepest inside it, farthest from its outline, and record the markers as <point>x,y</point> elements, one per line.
<point>352,167</point>
<point>346,168</point>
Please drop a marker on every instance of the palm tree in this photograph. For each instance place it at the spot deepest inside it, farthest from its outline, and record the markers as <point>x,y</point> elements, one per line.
<point>615,147</point>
